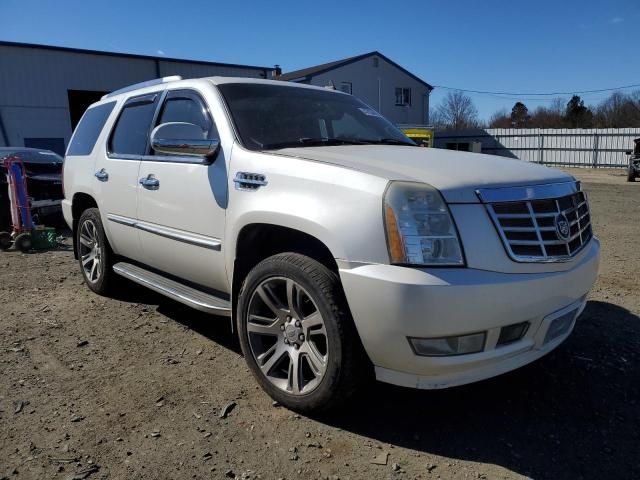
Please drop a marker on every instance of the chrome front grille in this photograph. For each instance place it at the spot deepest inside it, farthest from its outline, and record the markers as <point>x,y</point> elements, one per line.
<point>535,229</point>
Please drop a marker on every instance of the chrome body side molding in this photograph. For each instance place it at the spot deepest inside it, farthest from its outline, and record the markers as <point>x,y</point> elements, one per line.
<point>130,222</point>
<point>172,233</point>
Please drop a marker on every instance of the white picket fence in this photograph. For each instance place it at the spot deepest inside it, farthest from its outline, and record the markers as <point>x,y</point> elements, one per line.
<point>582,147</point>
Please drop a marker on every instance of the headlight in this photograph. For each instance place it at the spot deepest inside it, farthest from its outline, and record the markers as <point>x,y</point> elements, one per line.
<point>420,230</point>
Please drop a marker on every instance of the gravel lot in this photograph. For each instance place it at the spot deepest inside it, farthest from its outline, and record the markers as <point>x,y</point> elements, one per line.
<point>136,387</point>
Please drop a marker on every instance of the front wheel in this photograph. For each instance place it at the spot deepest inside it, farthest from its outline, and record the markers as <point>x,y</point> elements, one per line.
<point>631,176</point>
<point>297,335</point>
<point>94,253</point>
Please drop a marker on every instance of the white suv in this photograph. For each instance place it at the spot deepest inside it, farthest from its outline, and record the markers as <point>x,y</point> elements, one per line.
<point>338,247</point>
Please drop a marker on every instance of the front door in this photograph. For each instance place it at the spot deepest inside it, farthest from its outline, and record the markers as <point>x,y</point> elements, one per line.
<point>182,202</point>
<point>117,173</point>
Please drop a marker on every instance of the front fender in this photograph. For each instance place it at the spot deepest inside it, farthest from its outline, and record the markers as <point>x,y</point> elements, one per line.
<point>280,219</point>
<point>341,208</point>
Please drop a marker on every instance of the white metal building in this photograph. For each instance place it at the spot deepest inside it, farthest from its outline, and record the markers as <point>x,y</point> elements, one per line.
<point>393,91</point>
<point>44,90</point>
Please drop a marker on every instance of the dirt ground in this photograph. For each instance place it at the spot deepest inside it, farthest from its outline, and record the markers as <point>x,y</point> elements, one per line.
<point>135,387</point>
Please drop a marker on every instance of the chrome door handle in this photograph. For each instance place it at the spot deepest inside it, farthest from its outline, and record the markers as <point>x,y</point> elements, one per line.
<point>102,175</point>
<point>150,182</point>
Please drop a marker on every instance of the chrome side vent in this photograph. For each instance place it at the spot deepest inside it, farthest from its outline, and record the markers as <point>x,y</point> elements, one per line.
<point>249,181</point>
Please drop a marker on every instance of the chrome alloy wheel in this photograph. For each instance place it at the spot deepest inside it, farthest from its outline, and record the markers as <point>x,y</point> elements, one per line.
<point>90,251</point>
<point>287,335</point>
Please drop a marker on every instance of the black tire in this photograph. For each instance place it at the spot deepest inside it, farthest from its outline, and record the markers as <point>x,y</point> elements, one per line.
<point>23,242</point>
<point>103,280</point>
<point>347,366</point>
<point>5,241</point>
<point>631,176</point>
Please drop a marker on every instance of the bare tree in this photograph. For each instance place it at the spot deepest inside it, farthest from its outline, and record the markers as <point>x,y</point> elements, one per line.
<point>619,110</point>
<point>548,117</point>
<point>500,119</point>
<point>557,106</point>
<point>457,112</point>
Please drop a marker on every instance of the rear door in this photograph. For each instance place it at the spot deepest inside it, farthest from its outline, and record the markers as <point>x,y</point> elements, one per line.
<point>117,173</point>
<point>181,216</point>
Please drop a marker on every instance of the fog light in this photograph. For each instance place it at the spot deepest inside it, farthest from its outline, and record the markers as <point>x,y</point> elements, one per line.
<point>559,326</point>
<point>512,333</point>
<point>440,347</point>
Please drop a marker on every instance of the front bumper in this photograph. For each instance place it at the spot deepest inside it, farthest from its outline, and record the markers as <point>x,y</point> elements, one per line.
<point>390,303</point>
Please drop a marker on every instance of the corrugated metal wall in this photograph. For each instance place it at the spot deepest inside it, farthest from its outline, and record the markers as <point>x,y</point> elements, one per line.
<point>584,147</point>
<point>34,84</point>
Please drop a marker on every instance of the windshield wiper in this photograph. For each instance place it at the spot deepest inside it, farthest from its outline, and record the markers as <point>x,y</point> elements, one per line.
<point>310,142</point>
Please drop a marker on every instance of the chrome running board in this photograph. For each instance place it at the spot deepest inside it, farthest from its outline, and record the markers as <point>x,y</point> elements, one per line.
<point>179,292</point>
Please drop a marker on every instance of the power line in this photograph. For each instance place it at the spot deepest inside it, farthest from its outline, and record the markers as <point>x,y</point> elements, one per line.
<point>484,92</point>
<point>588,96</point>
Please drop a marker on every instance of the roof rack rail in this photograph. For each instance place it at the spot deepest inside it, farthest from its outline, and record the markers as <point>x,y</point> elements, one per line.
<point>148,83</point>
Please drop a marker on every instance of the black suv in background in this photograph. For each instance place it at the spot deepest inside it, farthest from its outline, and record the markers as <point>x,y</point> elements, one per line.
<point>44,182</point>
<point>634,162</point>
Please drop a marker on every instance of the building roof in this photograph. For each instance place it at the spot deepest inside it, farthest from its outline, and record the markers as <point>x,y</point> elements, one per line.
<point>309,72</point>
<point>128,55</point>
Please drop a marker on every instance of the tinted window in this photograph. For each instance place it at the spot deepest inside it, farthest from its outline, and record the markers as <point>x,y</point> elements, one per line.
<point>89,128</point>
<point>187,108</point>
<point>131,132</point>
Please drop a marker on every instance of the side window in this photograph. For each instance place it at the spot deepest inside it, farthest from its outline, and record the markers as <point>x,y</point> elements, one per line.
<point>131,133</point>
<point>187,106</point>
<point>89,128</point>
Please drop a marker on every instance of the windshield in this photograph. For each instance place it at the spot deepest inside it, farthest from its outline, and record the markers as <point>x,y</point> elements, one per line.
<point>269,117</point>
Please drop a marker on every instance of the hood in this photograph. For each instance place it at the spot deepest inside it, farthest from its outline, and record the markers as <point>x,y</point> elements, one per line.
<point>456,174</point>
<point>46,177</point>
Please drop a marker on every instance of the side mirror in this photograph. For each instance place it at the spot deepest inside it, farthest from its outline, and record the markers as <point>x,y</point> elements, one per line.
<point>184,139</point>
<point>628,152</point>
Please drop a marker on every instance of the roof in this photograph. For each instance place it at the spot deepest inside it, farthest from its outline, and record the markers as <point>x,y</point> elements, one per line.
<point>128,55</point>
<point>309,72</point>
<point>262,81</point>
<point>152,86</point>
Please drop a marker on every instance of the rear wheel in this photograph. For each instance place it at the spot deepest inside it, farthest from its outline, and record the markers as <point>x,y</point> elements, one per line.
<point>297,335</point>
<point>94,254</point>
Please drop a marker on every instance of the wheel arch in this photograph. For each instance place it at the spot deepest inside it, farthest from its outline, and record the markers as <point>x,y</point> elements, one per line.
<point>79,203</point>
<point>257,241</point>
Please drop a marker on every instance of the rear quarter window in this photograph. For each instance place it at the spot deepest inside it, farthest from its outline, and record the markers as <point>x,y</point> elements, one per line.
<point>89,128</point>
